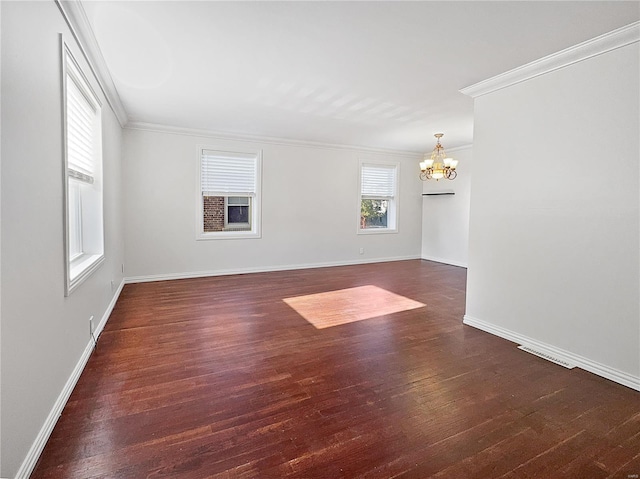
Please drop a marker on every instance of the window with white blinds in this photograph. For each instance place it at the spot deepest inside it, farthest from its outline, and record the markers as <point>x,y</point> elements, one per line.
<point>228,174</point>
<point>377,202</point>
<point>84,227</point>
<point>229,194</point>
<point>81,131</point>
<point>378,181</point>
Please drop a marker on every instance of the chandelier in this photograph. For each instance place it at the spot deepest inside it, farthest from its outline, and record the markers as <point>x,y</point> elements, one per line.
<point>437,165</point>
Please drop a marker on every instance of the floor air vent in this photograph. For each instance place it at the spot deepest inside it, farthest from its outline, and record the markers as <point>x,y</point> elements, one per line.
<point>547,357</point>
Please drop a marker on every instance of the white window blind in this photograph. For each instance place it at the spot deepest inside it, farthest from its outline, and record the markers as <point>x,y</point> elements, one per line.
<point>227,173</point>
<point>378,181</point>
<point>81,118</point>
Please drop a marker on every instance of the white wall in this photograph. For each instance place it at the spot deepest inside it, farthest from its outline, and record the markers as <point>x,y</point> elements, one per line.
<point>445,218</point>
<point>44,334</point>
<point>554,242</point>
<point>309,209</point>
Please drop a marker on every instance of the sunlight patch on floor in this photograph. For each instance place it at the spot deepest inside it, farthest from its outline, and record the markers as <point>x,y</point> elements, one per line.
<point>344,306</point>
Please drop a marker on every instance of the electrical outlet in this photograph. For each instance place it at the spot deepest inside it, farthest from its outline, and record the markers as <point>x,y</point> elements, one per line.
<point>361,250</point>
<point>122,268</point>
<point>91,326</point>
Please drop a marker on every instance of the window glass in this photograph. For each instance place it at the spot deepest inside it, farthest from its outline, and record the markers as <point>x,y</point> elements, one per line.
<point>374,213</point>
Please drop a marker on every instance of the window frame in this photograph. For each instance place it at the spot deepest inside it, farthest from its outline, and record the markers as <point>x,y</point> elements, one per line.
<point>394,203</point>
<point>90,218</point>
<point>255,210</point>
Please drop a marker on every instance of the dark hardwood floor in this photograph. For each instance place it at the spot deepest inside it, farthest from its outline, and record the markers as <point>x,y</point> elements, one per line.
<point>218,377</point>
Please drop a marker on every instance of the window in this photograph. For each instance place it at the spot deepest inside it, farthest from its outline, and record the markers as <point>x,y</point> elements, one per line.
<point>229,196</point>
<point>378,204</point>
<point>83,175</point>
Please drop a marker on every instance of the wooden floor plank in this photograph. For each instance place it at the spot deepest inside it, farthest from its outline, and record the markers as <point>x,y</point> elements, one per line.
<point>220,378</point>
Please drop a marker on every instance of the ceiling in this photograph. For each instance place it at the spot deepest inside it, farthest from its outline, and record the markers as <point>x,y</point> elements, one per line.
<point>375,74</point>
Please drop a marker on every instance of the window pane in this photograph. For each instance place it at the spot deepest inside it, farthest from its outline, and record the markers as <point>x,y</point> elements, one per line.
<point>238,200</point>
<point>238,214</point>
<point>373,213</point>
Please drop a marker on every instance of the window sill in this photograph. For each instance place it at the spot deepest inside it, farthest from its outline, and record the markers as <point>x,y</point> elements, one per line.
<point>227,234</point>
<point>81,268</point>
<point>237,227</point>
<point>376,231</point>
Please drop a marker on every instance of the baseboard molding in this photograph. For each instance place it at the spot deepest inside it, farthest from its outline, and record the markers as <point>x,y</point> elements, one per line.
<point>587,364</point>
<point>445,261</point>
<point>109,310</point>
<point>29,463</point>
<point>262,269</point>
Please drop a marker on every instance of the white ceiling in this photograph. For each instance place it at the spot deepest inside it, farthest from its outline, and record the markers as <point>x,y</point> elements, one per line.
<point>377,74</point>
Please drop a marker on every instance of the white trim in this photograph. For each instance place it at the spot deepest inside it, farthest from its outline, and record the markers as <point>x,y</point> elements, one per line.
<point>263,269</point>
<point>596,46</point>
<point>460,148</point>
<point>245,137</point>
<point>76,19</point>
<point>109,310</point>
<point>84,267</point>
<point>228,234</point>
<point>31,459</point>
<point>445,261</point>
<point>45,431</point>
<point>376,231</point>
<point>587,364</point>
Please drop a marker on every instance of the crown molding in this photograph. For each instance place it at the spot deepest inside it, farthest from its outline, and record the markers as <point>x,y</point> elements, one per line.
<point>596,46</point>
<point>459,148</point>
<point>224,135</point>
<point>78,23</point>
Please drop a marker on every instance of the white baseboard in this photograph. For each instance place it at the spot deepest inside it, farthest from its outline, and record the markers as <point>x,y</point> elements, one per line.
<point>27,466</point>
<point>587,364</point>
<point>262,269</point>
<point>107,313</point>
<point>445,261</point>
